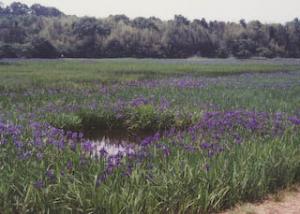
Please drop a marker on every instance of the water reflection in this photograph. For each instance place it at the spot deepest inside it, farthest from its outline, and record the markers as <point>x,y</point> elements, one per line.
<point>106,148</point>
<point>116,136</point>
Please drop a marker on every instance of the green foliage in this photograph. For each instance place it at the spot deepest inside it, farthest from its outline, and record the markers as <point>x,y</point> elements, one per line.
<point>120,36</point>
<point>143,117</point>
<point>65,121</point>
<point>146,117</point>
<point>99,119</point>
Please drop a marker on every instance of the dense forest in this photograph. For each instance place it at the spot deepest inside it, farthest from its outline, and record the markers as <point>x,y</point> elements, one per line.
<point>46,32</point>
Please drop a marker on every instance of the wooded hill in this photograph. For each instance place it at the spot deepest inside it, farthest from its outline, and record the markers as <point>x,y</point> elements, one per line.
<point>46,32</point>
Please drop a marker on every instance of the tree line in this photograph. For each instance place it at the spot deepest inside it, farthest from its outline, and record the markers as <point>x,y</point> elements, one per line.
<point>45,32</point>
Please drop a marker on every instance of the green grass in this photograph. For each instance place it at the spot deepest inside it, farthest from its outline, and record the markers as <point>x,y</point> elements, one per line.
<point>74,78</point>
<point>96,94</point>
<point>74,71</point>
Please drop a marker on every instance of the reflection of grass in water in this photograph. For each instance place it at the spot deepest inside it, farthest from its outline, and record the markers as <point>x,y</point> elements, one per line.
<point>116,136</point>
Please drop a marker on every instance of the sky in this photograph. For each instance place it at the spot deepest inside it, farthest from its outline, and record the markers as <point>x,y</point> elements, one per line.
<point>267,11</point>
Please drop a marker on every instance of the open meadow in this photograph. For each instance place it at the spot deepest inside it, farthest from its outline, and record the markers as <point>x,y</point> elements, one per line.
<point>146,135</point>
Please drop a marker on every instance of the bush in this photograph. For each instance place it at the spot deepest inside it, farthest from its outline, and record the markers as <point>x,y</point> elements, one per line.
<point>41,48</point>
<point>265,52</point>
<point>7,51</point>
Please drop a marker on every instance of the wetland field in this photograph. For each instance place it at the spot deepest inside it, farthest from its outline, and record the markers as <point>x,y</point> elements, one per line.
<point>146,135</point>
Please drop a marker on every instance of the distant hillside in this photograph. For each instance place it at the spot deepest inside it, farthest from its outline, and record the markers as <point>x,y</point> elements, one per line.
<point>45,32</point>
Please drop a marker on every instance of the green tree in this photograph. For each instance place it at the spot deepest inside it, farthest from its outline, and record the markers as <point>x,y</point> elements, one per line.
<point>41,48</point>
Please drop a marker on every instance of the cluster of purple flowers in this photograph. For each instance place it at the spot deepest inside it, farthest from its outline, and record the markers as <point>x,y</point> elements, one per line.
<point>217,130</point>
<point>10,132</point>
<point>211,135</point>
<point>139,101</point>
<point>295,120</point>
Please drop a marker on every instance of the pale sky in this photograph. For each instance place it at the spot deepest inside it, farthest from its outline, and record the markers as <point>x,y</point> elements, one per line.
<point>223,10</point>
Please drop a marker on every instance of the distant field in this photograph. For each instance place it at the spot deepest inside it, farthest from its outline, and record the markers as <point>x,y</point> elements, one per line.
<point>83,70</point>
<point>198,135</point>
